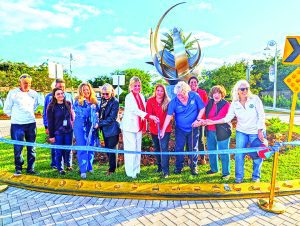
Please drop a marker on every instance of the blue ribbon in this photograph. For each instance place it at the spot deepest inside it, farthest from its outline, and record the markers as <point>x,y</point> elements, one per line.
<point>100,149</point>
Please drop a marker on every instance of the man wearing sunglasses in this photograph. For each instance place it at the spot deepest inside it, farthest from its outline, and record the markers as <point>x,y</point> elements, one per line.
<point>59,83</point>
<point>20,105</point>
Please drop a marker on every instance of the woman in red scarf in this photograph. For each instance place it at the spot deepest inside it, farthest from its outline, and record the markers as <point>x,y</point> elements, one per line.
<point>133,126</point>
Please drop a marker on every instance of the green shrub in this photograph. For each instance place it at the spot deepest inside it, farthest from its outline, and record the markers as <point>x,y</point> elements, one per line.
<point>283,102</point>
<point>267,100</point>
<point>275,126</point>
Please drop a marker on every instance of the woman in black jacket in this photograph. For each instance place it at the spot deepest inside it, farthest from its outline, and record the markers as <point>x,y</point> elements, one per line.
<point>108,123</point>
<point>60,118</point>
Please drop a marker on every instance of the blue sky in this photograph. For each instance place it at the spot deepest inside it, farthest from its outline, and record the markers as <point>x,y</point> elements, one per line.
<point>105,35</point>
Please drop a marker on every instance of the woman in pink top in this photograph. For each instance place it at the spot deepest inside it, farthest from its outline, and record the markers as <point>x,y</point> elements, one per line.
<point>217,139</point>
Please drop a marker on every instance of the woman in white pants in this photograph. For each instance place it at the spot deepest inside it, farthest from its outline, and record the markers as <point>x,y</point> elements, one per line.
<point>133,126</point>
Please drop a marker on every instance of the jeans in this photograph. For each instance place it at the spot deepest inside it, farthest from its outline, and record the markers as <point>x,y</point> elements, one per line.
<point>200,143</point>
<point>191,139</point>
<point>162,160</point>
<point>64,139</point>
<point>213,144</point>
<point>19,132</point>
<point>242,140</point>
<point>53,161</point>
<point>111,143</point>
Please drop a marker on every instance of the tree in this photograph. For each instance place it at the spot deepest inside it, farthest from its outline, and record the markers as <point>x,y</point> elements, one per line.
<point>226,75</point>
<point>169,45</point>
<point>11,71</point>
<point>101,80</point>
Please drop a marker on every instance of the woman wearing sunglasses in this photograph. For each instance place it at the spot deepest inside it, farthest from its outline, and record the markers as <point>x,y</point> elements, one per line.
<point>249,111</point>
<point>108,123</point>
<point>60,117</point>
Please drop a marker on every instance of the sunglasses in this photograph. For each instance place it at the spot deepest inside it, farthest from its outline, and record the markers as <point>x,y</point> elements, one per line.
<point>25,76</point>
<point>243,89</point>
<point>105,94</point>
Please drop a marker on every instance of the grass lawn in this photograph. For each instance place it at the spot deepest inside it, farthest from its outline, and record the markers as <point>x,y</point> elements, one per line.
<point>289,168</point>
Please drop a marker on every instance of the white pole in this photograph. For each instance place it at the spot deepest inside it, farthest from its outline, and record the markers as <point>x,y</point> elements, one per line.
<point>118,88</point>
<point>275,79</point>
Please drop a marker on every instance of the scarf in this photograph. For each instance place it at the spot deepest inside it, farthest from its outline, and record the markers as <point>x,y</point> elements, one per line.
<point>103,105</point>
<point>138,100</point>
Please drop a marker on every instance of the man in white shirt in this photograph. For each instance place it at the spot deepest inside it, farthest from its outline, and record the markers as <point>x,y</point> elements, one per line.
<point>20,105</point>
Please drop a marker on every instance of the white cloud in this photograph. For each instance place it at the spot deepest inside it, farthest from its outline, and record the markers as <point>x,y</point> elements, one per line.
<point>17,16</point>
<point>202,5</point>
<point>210,63</point>
<point>77,29</point>
<point>76,10</point>
<point>57,35</point>
<point>119,30</point>
<point>206,39</point>
<point>116,51</point>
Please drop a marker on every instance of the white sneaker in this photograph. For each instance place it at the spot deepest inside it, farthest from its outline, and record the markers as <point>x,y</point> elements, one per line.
<point>83,175</point>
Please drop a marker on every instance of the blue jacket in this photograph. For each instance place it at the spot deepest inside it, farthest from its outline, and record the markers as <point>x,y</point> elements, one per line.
<point>85,119</point>
<point>109,125</point>
<point>48,99</point>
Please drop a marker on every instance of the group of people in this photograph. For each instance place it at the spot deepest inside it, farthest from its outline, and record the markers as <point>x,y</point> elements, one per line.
<point>195,114</point>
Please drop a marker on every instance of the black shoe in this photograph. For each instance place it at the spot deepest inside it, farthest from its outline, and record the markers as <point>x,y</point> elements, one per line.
<point>54,167</point>
<point>32,172</point>
<point>194,171</point>
<point>210,172</point>
<point>18,173</point>
<point>62,172</point>
<point>165,175</point>
<point>177,171</point>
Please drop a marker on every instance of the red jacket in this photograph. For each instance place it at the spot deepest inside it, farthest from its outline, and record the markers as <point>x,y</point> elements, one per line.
<point>203,95</point>
<point>154,108</point>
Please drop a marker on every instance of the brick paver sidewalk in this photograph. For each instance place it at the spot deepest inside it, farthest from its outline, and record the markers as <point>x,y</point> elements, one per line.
<point>23,207</point>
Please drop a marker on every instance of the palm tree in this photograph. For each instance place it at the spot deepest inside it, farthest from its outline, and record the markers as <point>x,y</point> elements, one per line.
<point>185,39</point>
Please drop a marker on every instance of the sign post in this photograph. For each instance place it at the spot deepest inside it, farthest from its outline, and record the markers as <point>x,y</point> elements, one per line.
<point>291,56</point>
<point>55,70</point>
<point>119,80</point>
<point>293,82</point>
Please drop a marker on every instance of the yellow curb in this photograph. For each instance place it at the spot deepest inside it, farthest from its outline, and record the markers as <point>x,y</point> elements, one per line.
<point>166,191</point>
<point>3,188</point>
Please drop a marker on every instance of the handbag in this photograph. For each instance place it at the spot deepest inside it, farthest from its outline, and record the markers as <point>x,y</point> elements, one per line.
<point>223,131</point>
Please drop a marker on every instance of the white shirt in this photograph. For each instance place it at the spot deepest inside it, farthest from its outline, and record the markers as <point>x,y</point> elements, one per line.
<point>250,118</point>
<point>21,106</point>
<point>130,121</point>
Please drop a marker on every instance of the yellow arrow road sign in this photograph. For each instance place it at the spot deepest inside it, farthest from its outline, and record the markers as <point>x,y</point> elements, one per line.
<point>291,53</point>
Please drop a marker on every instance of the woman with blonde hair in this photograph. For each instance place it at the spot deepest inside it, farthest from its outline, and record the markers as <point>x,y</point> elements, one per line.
<point>108,123</point>
<point>85,124</point>
<point>133,126</point>
<point>157,105</point>
<point>250,128</point>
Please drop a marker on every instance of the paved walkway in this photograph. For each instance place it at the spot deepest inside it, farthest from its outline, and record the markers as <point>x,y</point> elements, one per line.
<point>23,207</point>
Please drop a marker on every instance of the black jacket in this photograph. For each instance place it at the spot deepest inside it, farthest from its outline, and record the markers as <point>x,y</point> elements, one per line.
<point>109,125</point>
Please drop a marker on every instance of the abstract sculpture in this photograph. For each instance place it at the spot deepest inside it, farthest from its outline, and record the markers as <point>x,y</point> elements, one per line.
<point>177,64</point>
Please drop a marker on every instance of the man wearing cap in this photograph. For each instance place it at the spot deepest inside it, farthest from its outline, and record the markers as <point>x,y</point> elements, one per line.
<point>59,83</point>
<point>20,105</point>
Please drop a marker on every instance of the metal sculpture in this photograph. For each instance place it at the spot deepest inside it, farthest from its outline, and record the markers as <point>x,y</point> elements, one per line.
<point>177,64</point>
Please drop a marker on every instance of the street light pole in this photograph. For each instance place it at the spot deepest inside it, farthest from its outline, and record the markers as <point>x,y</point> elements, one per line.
<point>273,43</point>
